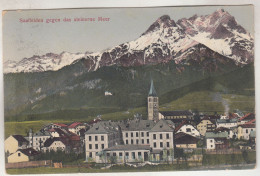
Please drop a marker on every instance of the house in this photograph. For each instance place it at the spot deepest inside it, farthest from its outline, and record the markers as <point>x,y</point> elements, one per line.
<point>22,155</point>
<point>176,116</point>
<point>162,140</point>
<point>15,142</point>
<point>183,140</point>
<point>59,125</point>
<point>216,141</point>
<point>232,132</point>
<point>101,135</point>
<point>206,125</point>
<point>226,123</point>
<point>58,132</point>
<point>246,118</point>
<point>136,131</point>
<point>76,127</point>
<point>56,143</point>
<point>125,154</point>
<point>36,140</point>
<point>187,128</point>
<point>244,131</point>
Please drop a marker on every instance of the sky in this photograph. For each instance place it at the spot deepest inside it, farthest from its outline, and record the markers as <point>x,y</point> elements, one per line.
<point>22,40</point>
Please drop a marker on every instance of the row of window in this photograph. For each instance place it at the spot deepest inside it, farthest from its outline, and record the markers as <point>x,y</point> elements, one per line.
<point>161,145</point>
<point>96,138</point>
<point>137,134</point>
<point>136,142</point>
<point>96,146</point>
<point>120,155</point>
<point>161,136</point>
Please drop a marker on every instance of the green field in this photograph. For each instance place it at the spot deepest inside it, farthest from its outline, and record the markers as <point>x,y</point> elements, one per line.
<point>200,101</point>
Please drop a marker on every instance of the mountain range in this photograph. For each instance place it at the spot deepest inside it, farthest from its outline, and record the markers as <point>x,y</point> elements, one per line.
<point>211,52</point>
<point>216,35</point>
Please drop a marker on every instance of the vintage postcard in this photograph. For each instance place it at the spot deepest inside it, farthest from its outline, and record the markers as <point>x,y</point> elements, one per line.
<point>129,89</point>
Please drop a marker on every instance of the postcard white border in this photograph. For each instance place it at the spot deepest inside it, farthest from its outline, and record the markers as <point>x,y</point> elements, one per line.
<point>57,4</point>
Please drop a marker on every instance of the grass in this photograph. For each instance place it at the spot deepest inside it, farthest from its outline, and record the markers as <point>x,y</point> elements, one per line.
<point>200,101</point>
<point>242,102</point>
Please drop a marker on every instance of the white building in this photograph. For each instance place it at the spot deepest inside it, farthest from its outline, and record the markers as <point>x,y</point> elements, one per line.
<point>244,131</point>
<point>216,140</point>
<point>187,128</point>
<point>226,123</point>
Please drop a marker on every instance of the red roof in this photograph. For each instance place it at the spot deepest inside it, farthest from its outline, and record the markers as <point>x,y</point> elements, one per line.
<point>247,125</point>
<point>60,124</point>
<point>251,122</point>
<point>232,115</point>
<point>248,116</point>
<point>75,138</point>
<point>73,125</point>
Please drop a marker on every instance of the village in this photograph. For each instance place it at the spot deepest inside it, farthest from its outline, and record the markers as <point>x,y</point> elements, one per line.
<point>165,137</point>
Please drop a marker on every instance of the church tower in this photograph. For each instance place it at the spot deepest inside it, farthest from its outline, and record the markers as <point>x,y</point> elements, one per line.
<point>153,104</point>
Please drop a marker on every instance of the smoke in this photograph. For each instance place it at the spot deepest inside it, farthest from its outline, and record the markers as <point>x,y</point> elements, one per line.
<point>226,106</point>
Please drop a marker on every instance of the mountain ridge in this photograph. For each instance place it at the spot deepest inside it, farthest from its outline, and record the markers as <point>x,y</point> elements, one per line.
<point>163,41</point>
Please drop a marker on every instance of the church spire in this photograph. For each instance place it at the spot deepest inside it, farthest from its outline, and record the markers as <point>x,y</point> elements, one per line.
<point>152,91</point>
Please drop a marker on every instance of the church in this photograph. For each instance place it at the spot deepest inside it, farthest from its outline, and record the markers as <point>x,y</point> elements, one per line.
<point>156,115</point>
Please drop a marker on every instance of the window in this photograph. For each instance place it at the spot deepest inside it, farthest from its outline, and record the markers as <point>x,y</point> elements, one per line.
<point>147,134</point>
<point>211,140</point>
<point>96,138</point>
<point>168,144</point>
<point>114,154</point>
<point>19,154</point>
<point>96,146</point>
<point>188,130</point>
<point>90,154</point>
<point>147,141</point>
<point>108,154</point>
<point>126,155</point>
<point>167,136</point>
<point>132,141</point>
<point>103,146</point>
<point>126,141</point>
<point>90,146</point>
<point>136,134</point>
<point>142,141</point>
<point>154,144</point>
<point>126,134</point>
<point>161,144</point>
<point>102,138</point>
<point>142,134</point>
<point>139,155</point>
<point>132,134</point>
<point>120,155</point>
<point>137,141</point>
<point>160,136</point>
<point>154,136</point>
<point>246,130</point>
<point>133,155</point>
<point>89,138</point>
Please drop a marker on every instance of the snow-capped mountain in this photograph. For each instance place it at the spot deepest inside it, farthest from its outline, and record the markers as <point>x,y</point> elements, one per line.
<point>215,36</point>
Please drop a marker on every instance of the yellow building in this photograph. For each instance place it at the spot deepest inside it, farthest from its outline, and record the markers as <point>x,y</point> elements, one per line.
<point>15,142</point>
<point>22,155</point>
<point>205,125</point>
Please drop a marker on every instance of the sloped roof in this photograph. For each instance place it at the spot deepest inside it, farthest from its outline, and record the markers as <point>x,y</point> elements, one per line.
<point>216,135</point>
<point>183,138</point>
<point>248,116</point>
<point>164,126</point>
<point>49,141</point>
<point>103,127</point>
<point>221,129</point>
<point>176,113</point>
<point>42,133</point>
<point>60,124</point>
<point>184,122</point>
<point>20,138</point>
<point>152,91</point>
<point>137,125</point>
<point>29,152</point>
<point>207,118</point>
<point>128,147</point>
<point>251,121</point>
<point>226,120</point>
<point>59,131</point>
<point>75,124</point>
<point>252,125</point>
